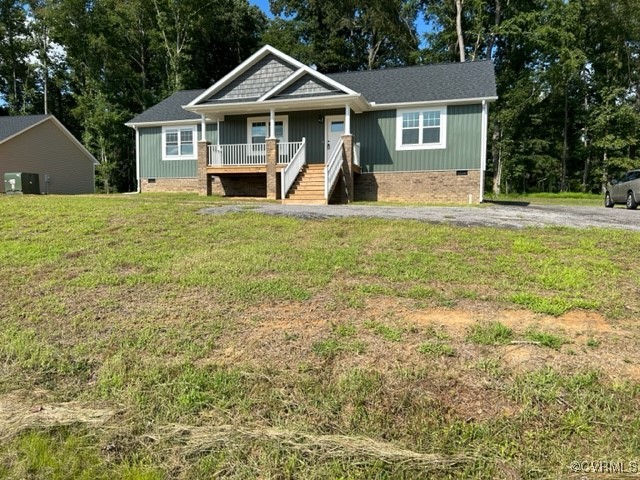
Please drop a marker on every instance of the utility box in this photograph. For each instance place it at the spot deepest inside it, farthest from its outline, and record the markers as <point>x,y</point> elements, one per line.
<point>19,183</point>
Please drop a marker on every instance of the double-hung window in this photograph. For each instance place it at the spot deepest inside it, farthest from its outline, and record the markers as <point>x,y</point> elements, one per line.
<point>178,143</point>
<point>258,129</point>
<point>422,128</point>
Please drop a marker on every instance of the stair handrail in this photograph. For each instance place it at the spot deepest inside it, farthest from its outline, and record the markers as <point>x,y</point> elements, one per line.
<point>332,169</point>
<point>292,170</point>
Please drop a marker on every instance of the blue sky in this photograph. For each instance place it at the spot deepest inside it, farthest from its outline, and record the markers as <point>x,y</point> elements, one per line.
<point>263,4</point>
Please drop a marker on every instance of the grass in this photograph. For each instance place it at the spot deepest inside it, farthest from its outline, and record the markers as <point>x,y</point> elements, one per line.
<point>492,333</point>
<point>246,346</point>
<point>437,349</point>
<point>545,339</point>
<point>565,198</point>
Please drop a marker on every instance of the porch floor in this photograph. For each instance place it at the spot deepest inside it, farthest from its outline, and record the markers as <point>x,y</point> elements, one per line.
<point>241,169</point>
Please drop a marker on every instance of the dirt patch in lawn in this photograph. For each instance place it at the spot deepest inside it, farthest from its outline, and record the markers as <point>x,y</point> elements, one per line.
<point>391,331</point>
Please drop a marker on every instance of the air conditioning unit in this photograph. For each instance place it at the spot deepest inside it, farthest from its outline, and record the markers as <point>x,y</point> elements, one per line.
<point>19,183</point>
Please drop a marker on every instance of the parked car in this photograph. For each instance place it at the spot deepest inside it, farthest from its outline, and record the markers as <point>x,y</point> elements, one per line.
<point>624,190</point>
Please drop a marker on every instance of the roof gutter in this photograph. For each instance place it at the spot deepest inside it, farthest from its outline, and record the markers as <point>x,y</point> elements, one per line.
<point>460,101</point>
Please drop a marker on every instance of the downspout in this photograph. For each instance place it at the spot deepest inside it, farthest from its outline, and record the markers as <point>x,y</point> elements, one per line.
<point>483,147</point>
<point>138,183</point>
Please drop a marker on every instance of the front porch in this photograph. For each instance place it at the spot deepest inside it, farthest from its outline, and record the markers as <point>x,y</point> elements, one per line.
<point>288,175</point>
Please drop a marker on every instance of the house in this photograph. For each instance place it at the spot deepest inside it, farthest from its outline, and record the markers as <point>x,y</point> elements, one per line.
<point>275,127</point>
<point>41,144</point>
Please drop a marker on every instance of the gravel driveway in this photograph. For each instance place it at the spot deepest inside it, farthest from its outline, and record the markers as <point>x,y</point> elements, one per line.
<point>489,215</point>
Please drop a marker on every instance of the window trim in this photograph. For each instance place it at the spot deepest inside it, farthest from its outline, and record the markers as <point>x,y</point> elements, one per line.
<point>194,129</point>
<point>442,144</point>
<point>279,118</point>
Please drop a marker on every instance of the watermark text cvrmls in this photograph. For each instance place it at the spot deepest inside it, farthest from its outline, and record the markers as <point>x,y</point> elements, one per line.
<point>605,466</point>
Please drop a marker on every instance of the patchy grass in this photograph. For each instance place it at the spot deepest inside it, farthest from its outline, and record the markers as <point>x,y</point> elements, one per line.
<point>545,339</point>
<point>248,346</point>
<point>492,333</point>
<point>437,348</point>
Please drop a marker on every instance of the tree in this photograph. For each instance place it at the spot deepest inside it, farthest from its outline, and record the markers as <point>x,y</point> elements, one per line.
<point>345,35</point>
<point>15,47</point>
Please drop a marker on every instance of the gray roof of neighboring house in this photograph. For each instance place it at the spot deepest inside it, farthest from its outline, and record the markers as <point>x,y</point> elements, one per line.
<point>9,126</point>
<point>170,109</point>
<point>445,81</point>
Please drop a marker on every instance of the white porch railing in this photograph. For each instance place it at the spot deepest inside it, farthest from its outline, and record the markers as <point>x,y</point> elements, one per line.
<point>356,154</point>
<point>291,171</point>
<point>238,154</point>
<point>250,154</point>
<point>287,150</point>
<point>332,169</point>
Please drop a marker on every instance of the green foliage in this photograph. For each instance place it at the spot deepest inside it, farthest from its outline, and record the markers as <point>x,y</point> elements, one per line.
<point>342,36</point>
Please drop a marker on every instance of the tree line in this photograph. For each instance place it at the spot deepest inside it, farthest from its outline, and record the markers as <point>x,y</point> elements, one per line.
<point>567,70</point>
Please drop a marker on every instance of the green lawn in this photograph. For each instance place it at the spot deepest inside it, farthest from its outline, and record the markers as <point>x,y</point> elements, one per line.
<point>250,346</point>
<point>567,198</point>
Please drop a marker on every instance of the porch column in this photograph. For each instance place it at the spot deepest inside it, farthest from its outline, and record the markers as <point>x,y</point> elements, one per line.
<point>347,166</point>
<point>272,162</point>
<point>204,186</point>
<point>203,128</point>
<point>347,120</point>
<point>272,123</point>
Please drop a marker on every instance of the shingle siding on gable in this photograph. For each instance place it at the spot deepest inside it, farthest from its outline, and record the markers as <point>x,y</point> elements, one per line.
<point>256,81</point>
<point>306,85</point>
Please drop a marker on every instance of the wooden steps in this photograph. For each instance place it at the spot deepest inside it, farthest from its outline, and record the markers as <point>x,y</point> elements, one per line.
<point>308,187</point>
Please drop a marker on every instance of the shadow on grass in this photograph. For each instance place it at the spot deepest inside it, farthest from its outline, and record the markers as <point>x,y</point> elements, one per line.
<point>511,203</point>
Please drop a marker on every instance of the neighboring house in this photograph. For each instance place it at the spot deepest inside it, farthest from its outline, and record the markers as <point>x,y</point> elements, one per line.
<point>41,144</point>
<point>277,128</point>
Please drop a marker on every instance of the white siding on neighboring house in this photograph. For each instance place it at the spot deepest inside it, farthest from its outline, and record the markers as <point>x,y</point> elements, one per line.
<point>46,150</point>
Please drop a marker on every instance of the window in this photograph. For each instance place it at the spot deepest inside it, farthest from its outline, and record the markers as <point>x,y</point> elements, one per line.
<point>258,129</point>
<point>421,129</point>
<point>178,143</point>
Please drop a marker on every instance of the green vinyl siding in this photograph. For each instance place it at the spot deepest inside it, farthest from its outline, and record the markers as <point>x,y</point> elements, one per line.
<point>151,163</point>
<point>234,129</point>
<point>376,133</point>
<point>306,124</point>
<point>301,124</point>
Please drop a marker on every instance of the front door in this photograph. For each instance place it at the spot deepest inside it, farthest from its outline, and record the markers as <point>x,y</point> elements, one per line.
<point>333,131</point>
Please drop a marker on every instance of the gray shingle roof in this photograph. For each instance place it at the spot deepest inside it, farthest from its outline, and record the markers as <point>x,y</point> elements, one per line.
<point>440,82</point>
<point>11,125</point>
<point>170,109</point>
<point>446,81</point>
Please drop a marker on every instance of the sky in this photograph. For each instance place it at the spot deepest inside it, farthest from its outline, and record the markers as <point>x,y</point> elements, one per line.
<point>264,6</point>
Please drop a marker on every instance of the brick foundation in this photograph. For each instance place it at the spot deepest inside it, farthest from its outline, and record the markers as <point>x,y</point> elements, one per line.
<point>440,187</point>
<point>173,185</point>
